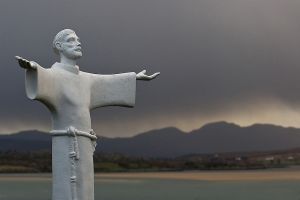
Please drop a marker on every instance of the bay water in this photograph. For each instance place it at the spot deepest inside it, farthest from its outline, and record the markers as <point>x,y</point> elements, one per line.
<point>20,188</point>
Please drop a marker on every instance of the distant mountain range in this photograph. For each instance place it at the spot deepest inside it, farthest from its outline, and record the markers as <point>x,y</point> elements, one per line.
<point>219,137</point>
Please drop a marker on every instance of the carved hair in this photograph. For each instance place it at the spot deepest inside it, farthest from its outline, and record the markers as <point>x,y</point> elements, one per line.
<point>59,36</point>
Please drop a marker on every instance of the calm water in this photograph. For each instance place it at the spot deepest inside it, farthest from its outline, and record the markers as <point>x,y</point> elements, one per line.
<point>145,189</point>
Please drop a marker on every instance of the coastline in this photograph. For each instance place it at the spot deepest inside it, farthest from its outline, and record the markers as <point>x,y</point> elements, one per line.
<point>288,174</point>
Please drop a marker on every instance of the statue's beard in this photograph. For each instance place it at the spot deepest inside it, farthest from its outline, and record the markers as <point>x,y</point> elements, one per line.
<point>74,55</point>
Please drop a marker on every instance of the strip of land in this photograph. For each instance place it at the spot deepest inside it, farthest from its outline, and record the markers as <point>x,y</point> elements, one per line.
<point>209,176</point>
<point>255,175</point>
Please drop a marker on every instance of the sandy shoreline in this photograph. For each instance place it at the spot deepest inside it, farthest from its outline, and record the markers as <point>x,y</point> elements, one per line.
<point>259,175</point>
<point>207,176</point>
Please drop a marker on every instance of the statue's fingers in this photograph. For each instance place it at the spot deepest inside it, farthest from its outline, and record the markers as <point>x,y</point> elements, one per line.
<point>18,57</point>
<point>25,63</point>
<point>144,71</point>
<point>21,58</point>
<point>21,63</point>
<point>154,75</point>
<point>25,60</point>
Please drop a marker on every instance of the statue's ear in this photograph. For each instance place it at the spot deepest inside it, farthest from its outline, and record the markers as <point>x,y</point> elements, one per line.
<point>58,46</point>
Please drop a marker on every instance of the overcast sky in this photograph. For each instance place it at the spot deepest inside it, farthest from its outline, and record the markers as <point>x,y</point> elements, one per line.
<point>231,60</point>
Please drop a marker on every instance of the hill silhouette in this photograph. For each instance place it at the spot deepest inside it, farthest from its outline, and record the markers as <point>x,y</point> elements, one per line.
<point>218,137</point>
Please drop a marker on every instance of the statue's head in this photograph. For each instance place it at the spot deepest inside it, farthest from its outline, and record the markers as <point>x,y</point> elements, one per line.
<point>66,43</point>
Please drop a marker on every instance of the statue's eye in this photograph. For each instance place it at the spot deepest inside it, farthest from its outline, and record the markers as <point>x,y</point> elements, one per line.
<point>71,40</point>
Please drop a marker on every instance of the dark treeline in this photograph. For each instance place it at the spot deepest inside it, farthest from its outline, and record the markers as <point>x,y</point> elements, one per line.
<point>25,162</point>
<point>38,162</point>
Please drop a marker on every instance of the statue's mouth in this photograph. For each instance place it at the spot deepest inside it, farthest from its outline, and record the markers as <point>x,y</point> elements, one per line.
<point>78,50</point>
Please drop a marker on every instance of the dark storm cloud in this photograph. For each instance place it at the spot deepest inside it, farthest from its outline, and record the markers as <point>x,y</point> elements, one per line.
<point>215,57</point>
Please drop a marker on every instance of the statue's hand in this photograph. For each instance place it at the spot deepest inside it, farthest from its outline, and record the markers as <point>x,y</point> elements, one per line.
<point>143,76</point>
<point>26,64</point>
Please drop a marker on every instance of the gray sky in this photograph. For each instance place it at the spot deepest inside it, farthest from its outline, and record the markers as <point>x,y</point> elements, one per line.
<point>233,60</point>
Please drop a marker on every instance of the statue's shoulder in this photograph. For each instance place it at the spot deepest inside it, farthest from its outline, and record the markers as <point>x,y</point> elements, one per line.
<point>54,67</point>
<point>86,74</point>
<point>42,69</point>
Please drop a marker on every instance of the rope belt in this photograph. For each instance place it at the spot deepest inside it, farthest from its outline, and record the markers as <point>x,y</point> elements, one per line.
<point>74,150</point>
<point>71,131</point>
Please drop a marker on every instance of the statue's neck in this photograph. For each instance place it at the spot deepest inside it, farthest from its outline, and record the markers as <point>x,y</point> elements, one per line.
<point>67,67</point>
<point>67,61</point>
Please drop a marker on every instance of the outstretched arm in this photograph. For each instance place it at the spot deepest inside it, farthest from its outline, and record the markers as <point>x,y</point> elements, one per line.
<point>39,82</point>
<point>143,76</point>
<point>26,64</point>
<point>113,90</point>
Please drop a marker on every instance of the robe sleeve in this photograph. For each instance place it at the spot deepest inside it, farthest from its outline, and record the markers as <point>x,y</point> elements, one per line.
<point>39,85</point>
<point>113,90</point>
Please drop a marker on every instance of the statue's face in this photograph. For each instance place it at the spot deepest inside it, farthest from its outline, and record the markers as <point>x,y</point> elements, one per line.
<point>71,46</point>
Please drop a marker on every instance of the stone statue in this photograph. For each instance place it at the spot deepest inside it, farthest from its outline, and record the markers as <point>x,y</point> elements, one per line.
<point>70,94</point>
